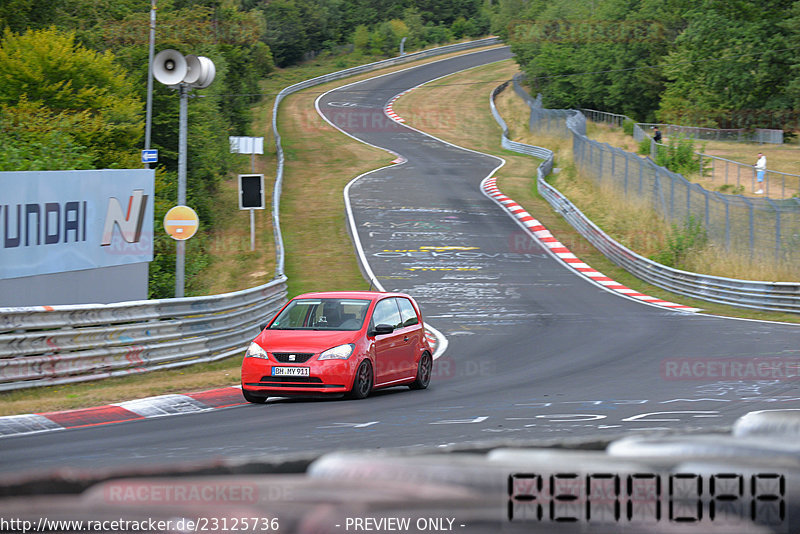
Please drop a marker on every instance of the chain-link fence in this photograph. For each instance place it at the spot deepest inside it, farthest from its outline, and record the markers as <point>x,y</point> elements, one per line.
<point>760,227</point>
<point>734,173</point>
<point>734,135</point>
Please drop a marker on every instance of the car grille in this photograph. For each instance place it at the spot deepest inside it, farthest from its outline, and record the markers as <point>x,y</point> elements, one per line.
<point>299,357</point>
<point>292,379</point>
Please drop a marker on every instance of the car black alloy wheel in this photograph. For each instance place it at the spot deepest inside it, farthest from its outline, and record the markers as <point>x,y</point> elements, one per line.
<point>362,384</point>
<point>424,371</point>
<point>255,399</point>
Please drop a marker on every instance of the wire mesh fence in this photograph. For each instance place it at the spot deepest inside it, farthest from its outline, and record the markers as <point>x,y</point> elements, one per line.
<point>740,176</point>
<point>759,227</point>
<point>734,135</point>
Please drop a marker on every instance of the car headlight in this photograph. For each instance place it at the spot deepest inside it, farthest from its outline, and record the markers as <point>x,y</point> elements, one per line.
<point>342,352</point>
<point>255,351</point>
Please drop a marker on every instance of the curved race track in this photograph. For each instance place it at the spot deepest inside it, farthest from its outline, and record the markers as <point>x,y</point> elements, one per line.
<point>534,350</point>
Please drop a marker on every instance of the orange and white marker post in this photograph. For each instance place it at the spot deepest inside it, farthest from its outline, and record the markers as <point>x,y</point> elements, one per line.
<point>181,223</point>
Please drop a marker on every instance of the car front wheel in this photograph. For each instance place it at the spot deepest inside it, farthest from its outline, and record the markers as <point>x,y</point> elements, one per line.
<point>251,397</point>
<point>362,384</point>
<point>424,371</point>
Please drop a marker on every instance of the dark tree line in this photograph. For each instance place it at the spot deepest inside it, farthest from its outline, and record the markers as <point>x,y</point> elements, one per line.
<point>726,63</point>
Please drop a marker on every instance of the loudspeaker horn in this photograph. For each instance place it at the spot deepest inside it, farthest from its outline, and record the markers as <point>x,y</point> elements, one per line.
<point>207,73</point>
<point>194,70</point>
<point>169,67</point>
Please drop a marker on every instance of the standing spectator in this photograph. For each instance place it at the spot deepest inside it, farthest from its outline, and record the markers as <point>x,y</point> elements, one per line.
<point>761,169</point>
<point>656,134</point>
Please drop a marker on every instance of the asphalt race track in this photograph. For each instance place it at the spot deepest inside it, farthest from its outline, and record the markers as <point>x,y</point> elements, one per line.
<point>535,351</point>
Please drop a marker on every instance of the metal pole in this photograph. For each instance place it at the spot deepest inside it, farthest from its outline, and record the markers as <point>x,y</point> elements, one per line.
<point>252,229</point>
<point>149,108</point>
<point>252,211</point>
<point>183,91</point>
<point>180,246</point>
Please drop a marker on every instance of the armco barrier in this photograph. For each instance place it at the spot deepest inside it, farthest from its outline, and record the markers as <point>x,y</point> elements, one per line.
<point>773,296</point>
<point>49,345</point>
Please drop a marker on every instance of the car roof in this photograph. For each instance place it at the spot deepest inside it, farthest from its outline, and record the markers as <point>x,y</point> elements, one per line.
<point>371,295</point>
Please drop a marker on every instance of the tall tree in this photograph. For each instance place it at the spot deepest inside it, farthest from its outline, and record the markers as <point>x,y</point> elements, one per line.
<point>732,60</point>
<point>48,68</point>
<point>285,33</point>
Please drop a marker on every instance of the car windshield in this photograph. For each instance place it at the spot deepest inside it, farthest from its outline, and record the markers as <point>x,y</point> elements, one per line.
<point>322,314</point>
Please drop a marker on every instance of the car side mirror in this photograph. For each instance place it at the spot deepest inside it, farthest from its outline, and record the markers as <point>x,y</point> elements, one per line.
<point>383,329</point>
<point>262,326</point>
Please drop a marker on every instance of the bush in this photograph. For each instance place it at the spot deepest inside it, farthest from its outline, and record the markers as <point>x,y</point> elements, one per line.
<point>627,126</point>
<point>644,146</point>
<point>681,241</point>
<point>679,156</point>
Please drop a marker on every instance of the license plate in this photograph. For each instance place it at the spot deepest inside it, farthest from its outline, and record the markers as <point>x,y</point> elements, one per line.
<point>290,371</point>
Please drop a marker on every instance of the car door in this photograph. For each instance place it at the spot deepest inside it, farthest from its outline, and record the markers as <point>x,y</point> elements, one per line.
<point>412,336</point>
<point>390,349</point>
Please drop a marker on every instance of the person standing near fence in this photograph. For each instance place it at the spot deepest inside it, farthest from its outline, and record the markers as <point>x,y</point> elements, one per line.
<point>761,169</point>
<point>656,134</point>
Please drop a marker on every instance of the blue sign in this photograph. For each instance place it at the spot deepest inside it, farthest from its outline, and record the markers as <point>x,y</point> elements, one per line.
<point>150,156</point>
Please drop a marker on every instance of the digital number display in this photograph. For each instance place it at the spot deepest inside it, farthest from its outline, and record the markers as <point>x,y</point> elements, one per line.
<point>648,498</point>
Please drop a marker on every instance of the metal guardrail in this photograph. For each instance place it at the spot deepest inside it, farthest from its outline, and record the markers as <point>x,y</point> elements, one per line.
<point>49,345</point>
<point>772,296</point>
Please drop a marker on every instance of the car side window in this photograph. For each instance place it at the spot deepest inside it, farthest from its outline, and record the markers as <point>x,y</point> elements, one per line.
<point>407,312</point>
<point>387,312</point>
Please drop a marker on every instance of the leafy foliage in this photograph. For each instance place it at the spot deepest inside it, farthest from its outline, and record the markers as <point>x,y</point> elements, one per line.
<point>47,68</point>
<point>678,156</point>
<point>750,69</point>
<point>35,138</point>
<point>73,78</point>
<point>682,241</point>
<point>727,64</point>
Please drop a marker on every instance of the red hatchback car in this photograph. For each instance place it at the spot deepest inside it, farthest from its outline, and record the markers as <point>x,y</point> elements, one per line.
<point>335,343</point>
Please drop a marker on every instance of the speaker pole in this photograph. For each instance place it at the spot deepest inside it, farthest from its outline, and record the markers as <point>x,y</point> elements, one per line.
<point>149,110</point>
<point>180,246</point>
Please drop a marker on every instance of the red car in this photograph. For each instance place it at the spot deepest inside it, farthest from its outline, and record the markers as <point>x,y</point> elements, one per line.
<point>336,343</point>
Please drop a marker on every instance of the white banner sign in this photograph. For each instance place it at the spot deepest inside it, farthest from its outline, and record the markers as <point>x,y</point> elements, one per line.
<point>246,145</point>
<point>56,221</point>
